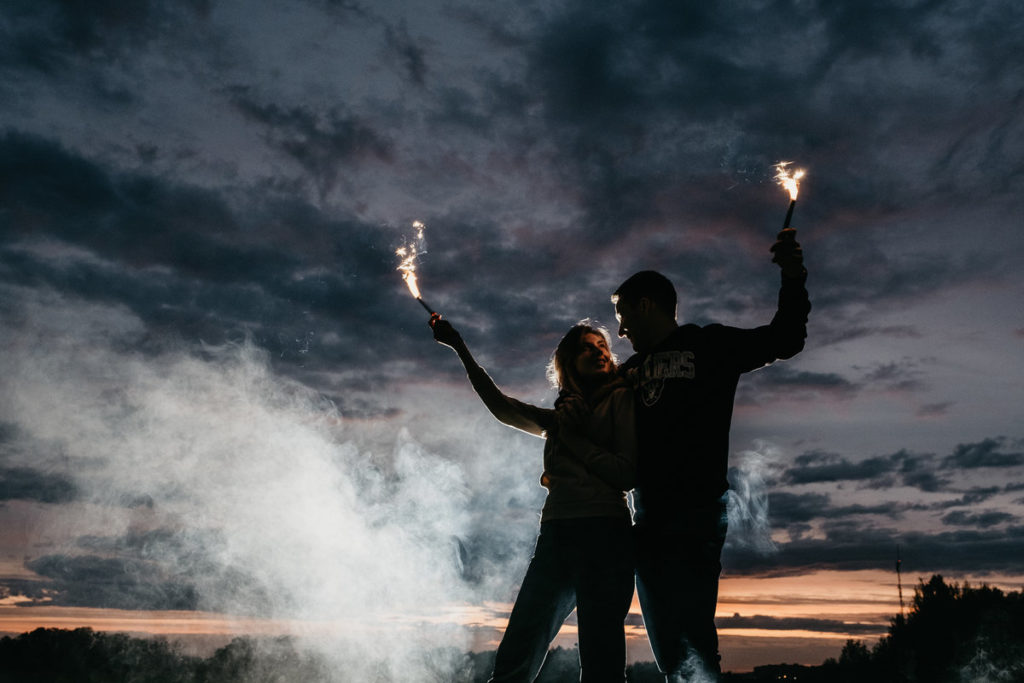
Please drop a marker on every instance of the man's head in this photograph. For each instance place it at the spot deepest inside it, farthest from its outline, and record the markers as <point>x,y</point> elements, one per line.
<point>645,306</point>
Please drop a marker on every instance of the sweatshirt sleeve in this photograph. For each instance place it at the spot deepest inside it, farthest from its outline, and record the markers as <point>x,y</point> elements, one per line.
<point>615,465</point>
<point>789,325</point>
<point>508,410</point>
<point>783,338</point>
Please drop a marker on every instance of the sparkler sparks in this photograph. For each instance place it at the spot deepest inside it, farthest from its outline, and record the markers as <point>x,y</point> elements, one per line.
<point>790,180</point>
<point>408,253</point>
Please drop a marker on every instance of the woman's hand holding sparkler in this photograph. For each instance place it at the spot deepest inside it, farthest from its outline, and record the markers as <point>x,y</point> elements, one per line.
<point>445,333</point>
<point>788,254</point>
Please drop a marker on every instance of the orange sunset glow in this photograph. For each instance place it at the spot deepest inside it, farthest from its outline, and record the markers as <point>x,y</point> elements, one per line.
<point>865,599</point>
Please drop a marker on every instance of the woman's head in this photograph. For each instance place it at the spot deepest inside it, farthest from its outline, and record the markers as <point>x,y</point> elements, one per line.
<point>582,359</point>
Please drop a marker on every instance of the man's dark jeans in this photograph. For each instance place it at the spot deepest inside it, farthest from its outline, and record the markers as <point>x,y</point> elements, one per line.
<point>677,570</point>
<point>582,563</point>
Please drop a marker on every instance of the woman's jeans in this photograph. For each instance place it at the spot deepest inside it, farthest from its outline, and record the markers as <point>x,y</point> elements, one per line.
<point>583,563</point>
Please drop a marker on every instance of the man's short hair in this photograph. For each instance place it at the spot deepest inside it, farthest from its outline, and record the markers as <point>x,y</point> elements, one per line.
<point>648,284</point>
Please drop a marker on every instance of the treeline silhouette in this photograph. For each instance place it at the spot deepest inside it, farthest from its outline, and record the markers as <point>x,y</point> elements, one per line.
<point>952,634</point>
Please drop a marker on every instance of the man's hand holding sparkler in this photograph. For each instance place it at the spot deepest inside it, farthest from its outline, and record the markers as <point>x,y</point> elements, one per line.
<point>786,249</point>
<point>788,254</point>
<point>445,333</point>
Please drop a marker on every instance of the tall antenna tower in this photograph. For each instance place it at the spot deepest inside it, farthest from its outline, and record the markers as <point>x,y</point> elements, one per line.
<point>899,579</point>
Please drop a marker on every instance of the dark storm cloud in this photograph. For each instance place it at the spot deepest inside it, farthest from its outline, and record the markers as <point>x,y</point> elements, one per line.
<point>186,260</point>
<point>611,82</point>
<point>978,495</point>
<point>818,466</point>
<point>911,469</point>
<point>780,380</point>
<point>655,123</point>
<point>986,453</point>
<point>190,264</point>
<point>23,483</point>
<point>877,27</point>
<point>934,409</point>
<point>847,536</point>
<point>117,583</point>
<point>925,471</point>
<point>657,110</point>
<point>499,30</point>
<point>851,546</point>
<point>827,382</point>
<point>626,83</point>
<point>841,333</point>
<point>789,508</point>
<point>309,288</point>
<point>798,624</point>
<point>19,482</point>
<point>894,376</point>
<point>864,272</point>
<point>410,55</point>
<point>982,519</point>
<point>148,544</point>
<point>794,509</point>
<point>840,549</point>
<point>610,65</point>
<point>139,220</point>
<point>915,39</point>
<point>326,143</point>
<point>124,583</point>
<point>46,35</point>
<point>154,570</point>
<point>342,8</point>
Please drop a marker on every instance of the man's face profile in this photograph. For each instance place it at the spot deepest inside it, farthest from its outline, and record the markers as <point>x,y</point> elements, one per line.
<point>631,321</point>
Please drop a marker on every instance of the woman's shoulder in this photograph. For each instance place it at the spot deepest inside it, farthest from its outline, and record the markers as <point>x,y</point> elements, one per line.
<point>612,390</point>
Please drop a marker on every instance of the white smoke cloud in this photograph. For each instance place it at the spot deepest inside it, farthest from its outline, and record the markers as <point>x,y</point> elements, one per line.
<point>982,669</point>
<point>749,521</point>
<point>225,484</point>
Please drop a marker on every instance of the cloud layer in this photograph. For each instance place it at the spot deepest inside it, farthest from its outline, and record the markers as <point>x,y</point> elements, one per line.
<point>217,393</point>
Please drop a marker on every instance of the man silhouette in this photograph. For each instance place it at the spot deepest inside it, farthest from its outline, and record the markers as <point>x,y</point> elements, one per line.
<point>685,379</point>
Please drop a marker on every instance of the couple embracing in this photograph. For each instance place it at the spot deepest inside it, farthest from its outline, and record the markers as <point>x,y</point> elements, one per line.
<point>658,425</point>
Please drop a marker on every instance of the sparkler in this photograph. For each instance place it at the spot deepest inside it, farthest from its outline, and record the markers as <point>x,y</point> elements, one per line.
<point>790,180</point>
<point>409,253</point>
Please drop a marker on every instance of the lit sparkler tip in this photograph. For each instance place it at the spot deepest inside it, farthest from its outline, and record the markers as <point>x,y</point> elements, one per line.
<point>410,281</point>
<point>408,253</point>
<point>790,180</point>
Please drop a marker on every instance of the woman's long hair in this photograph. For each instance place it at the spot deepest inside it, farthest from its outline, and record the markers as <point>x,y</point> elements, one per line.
<point>562,366</point>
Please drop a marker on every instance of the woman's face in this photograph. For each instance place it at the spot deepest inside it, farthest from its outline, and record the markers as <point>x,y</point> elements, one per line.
<point>594,359</point>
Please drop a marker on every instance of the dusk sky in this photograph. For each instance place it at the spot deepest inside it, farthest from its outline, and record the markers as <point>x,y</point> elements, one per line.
<point>222,412</point>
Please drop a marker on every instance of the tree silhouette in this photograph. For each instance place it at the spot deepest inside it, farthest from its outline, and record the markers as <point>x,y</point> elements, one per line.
<point>246,660</point>
<point>49,655</point>
<point>952,635</point>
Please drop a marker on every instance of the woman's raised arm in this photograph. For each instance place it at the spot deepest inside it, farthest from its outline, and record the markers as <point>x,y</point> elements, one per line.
<point>508,410</point>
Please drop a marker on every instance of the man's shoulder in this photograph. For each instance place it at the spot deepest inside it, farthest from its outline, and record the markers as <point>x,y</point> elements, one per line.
<point>683,334</point>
